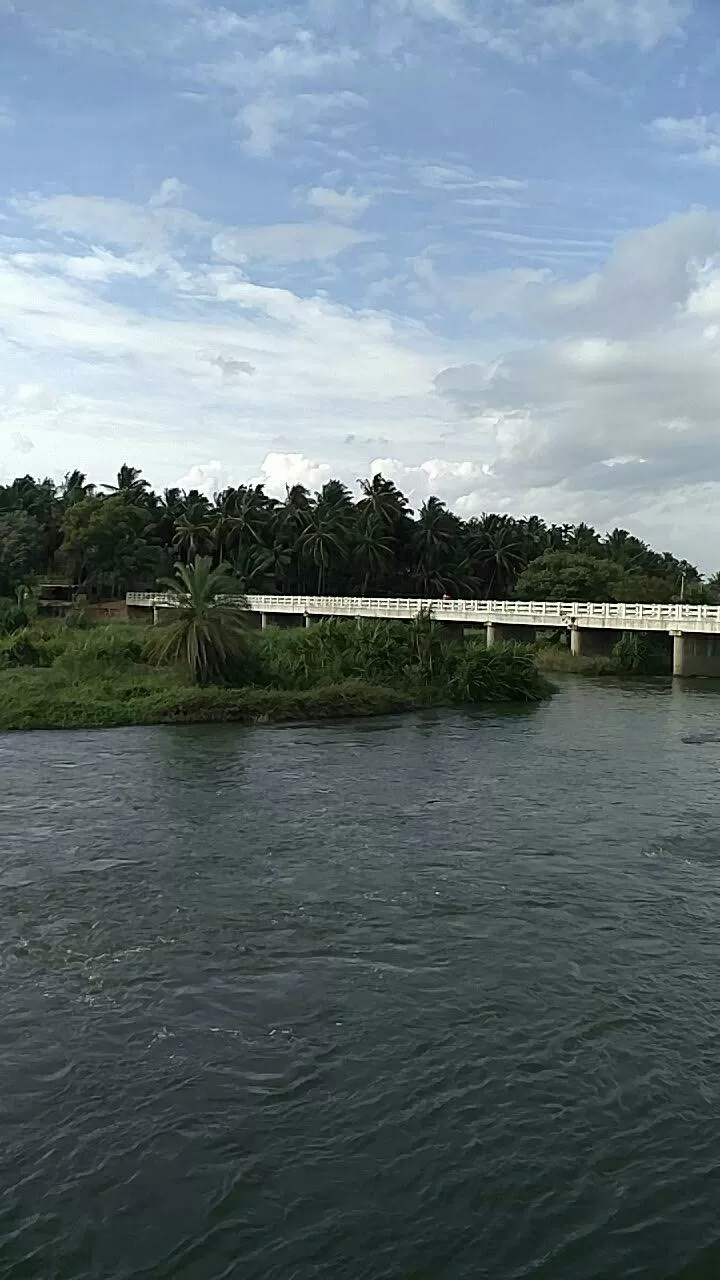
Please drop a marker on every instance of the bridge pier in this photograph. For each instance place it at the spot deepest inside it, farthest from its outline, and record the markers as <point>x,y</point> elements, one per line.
<point>282,620</point>
<point>508,633</point>
<point>592,642</point>
<point>695,654</point>
<point>162,613</point>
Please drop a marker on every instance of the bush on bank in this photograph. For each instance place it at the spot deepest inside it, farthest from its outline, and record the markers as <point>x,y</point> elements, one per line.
<point>55,676</point>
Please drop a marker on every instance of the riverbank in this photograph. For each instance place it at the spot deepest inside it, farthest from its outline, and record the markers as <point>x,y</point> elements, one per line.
<point>634,655</point>
<point>57,677</point>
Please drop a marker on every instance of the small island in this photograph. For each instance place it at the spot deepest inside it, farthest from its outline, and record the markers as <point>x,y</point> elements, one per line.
<point>78,661</point>
<point>203,664</point>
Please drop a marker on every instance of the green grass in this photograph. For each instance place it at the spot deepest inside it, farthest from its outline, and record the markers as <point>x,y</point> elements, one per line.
<point>633,655</point>
<point>558,660</point>
<point>57,677</point>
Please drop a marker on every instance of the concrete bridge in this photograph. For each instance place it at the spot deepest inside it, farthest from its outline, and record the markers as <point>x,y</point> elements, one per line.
<point>693,631</point>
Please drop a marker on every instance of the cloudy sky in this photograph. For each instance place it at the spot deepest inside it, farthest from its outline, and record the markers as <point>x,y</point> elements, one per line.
<point>472,243</point>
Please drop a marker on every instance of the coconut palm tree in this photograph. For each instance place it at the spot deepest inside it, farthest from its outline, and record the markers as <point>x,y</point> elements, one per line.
<point>129,484</point>
<point>373,552</point>
<point>193,534</point>
<point>322,541</point>
<point>206,632</point>
<point>384,501</point>
<point>496,547</point>
<point>435,537</point>
<point>74,487</point>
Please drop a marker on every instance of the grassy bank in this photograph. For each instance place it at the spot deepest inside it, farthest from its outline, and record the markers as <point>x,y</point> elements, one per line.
<point>562,660</point>
<point>59,676</point>
<point>633,655</point>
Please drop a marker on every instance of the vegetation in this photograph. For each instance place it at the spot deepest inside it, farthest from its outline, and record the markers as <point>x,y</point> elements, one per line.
<point>114,538</point>
<point>634,654</point>
<point>57,676</point>
<point>206,634</point>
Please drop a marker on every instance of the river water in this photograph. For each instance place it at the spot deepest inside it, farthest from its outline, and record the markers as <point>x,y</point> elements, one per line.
<point>434,997</point>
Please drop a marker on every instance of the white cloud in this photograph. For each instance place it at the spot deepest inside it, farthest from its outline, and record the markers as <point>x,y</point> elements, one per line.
<point>288,242</point>
<point>296,60</point>
<point>268,121</point>
<point>460,177</point>
<point>113,222</point>
<point>515,28</point>
<point>208,478</point>
<point>346,206</point>
<point>263,124</point>
<point>170,191</point>
<point>693,138</point>
<point>99,266</point>
<point>230,367</point>
<point>21,443</point>
<point>7,117</point>
<point>589,23</point>
<point>125,383</point>
<point>466,486</point>
<point>280,471</point>
<point>150,232</point>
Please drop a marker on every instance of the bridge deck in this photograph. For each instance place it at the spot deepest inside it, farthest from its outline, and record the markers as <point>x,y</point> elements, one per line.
<point>702,619</point>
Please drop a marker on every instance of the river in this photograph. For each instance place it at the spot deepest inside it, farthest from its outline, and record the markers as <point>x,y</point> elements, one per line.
<point>430,998</point>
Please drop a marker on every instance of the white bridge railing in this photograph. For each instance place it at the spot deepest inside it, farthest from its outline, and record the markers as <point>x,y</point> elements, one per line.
<point>550,613</point>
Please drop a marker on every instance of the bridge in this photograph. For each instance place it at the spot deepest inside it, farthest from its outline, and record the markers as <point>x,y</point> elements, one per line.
<point>692,630</point>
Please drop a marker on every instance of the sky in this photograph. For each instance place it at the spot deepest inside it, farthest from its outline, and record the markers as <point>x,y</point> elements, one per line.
<point>473,244</point>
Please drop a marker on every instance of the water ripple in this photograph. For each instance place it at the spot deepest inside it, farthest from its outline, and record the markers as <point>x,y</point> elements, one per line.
<point>432,998</point>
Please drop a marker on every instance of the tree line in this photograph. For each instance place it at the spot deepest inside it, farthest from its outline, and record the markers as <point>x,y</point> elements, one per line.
<point>113,538</point>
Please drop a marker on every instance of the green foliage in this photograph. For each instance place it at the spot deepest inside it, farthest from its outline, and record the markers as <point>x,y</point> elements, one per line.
<point>115,537</point>
<point>505,673</point>
<point>52,676</point>
<point>637,653</point>
<point>116,647</point>
<point>12,617</point>
<point>109,544</point>
<point>29,647</point>
<point>565,575</point>
<point>77,617</point>
<point>22,548</point>
<point>206,634</point>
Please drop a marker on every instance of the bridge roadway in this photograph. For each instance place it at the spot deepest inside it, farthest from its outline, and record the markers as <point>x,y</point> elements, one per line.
<point>693,630</point>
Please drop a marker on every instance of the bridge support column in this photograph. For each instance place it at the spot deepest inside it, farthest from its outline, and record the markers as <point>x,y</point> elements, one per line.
<point>309,620</point>
<point>282,620</point>
<point>162,613</point>
<point>140,613</point>
<point>509,633</point>
<point>592,642</point>
<point>695,654</point>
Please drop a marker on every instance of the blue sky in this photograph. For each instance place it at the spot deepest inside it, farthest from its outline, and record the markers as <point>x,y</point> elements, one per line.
<point>474,243</point>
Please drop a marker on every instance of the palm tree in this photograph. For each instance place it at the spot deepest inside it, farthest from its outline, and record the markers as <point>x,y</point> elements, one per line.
<point>625,549</point>
<point>497,548</point>
<point>322,541</point>
<point>193,534</point>
<point>384,501</point>
<point>374,552</point>
<point>206,633</point>
<point>583,538</point>
<point>129,484</point>
<point>250,513</point>
<point>75,487</point>
<point>435,535</point>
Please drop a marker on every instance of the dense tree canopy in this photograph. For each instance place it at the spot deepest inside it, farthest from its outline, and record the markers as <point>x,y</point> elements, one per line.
<point>122,536</point>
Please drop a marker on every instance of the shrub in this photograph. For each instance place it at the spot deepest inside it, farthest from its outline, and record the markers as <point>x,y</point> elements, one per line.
<point>638,654</point>
<point>13,617</point>
<point>27,648</point>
